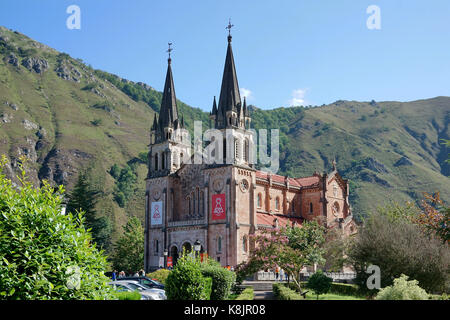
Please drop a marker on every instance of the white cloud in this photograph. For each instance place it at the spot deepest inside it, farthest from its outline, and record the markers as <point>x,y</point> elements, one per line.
<point>298,97</point>
<point>246,93</point>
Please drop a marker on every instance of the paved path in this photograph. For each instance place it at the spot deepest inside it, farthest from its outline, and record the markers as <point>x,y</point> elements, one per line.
<point>263,295</point>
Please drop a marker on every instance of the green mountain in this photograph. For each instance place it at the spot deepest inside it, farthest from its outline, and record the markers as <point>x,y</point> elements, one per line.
<point>65,116</point>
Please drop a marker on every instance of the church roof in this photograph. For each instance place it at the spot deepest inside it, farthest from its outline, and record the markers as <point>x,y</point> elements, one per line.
<point>297,182</point>
<point>267,219</point>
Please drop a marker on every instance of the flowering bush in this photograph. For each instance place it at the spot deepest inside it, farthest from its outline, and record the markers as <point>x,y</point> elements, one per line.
<point>290,248</point>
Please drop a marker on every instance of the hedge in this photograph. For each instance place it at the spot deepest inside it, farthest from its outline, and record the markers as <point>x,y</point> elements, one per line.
<point>336,288</point>
<point>247,294</point>
<point>160,275</point>
<point>222,280</point>
<point>282,292</point>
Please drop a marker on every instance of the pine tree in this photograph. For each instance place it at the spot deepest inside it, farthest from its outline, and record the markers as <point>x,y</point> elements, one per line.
<point>129,250</point>
<point>83,198</point>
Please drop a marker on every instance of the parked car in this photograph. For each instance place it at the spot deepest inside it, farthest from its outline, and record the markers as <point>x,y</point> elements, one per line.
<point>146,281</point>
<point>145,292</point>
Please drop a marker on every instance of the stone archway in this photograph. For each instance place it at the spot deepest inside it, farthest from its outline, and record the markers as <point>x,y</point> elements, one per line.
<point>174,254</point>
<point>187,247</point>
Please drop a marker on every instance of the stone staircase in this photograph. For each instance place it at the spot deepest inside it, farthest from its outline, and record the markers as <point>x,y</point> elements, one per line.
<point>259,285</point>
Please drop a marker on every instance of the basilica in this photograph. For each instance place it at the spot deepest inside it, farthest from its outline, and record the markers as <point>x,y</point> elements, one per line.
<point>214,207</point>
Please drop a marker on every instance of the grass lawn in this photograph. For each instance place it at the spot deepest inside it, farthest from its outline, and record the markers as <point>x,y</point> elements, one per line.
<point>331,296</point>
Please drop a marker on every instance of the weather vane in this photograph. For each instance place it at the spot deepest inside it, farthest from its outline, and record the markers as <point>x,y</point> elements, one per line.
<point>229,27</point>
<point>170,49</point>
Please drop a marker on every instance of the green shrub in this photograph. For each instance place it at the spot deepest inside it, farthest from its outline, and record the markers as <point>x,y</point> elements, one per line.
<point>247,294</point>
<point>319,283</point>
<point>282,292</point>
<point>222,280</point>
<point>135,295</point>
<point>185,281</point>
<point>159,275</point>
<point>208,288</point>
<point>402,289</point>
<point>45,254</point>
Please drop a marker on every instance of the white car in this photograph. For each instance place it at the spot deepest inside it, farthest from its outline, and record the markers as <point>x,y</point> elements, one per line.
<point>145,292</point>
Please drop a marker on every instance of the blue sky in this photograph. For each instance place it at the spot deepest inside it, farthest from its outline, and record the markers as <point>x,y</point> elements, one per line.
<point>299,51</point>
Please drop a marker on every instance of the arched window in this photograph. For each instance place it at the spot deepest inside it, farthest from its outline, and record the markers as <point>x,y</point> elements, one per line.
<point>310,207</point>
<point>156,244</point>
<point>193,202</point>
<point>244,244</point>
<point>163,160</point>
<point>181,158</point>
<point>259,200</point>
<point>219,244</point>
<point>277,203</point>
<point>156,162</point>
<point>246,150</point>
<point>237,154</point>
<point>174,159</point>
<point>224,154</point>
<point>189,204</point>
<point>198,201</point>
<point>202,203</point>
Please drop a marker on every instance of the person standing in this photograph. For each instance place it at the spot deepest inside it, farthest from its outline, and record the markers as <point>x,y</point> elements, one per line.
<point>277,273</point>
<point>114,275</point>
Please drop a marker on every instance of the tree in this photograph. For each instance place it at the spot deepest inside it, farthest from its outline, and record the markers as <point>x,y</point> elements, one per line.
<point>319,283</point>
<point>290,248</point>
<point>129,249</point>
<point>45,254</point>
<point>435,217</point>
<point>398,246</point>
<point>83,198</point>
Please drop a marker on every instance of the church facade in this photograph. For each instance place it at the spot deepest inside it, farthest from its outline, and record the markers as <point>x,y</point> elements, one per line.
<point>218,206</point>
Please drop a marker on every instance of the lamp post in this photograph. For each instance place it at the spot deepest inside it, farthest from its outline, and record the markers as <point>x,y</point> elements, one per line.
<point>165,258</point>
<point>197,247</point>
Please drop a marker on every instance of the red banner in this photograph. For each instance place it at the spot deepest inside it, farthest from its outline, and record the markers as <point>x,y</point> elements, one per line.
<point>218,207</point>
<point>169,262</point>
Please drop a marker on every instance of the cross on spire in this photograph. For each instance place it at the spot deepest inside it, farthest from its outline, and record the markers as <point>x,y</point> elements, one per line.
<point>169,50</point>
<point>229,27</point>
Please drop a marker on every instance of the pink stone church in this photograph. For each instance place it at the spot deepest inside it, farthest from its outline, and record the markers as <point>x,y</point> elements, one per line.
<point>217,206</point>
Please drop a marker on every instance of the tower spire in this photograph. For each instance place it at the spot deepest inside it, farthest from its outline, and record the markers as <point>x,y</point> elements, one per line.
<point>168,113</point>
<point>229,99</point>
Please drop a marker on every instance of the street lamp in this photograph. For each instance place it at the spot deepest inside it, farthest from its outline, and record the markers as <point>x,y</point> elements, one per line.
<point>197,247</point>
<point>165,258</point>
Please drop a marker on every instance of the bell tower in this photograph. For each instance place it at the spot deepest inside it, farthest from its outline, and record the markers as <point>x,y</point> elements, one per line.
<point>169,141</point>
<point>231,114</point>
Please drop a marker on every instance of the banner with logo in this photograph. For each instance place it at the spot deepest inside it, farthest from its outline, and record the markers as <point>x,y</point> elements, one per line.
<point>218,206</point>
<point>169,262</point>
<point>156,213</point>
<point>161,262</point>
